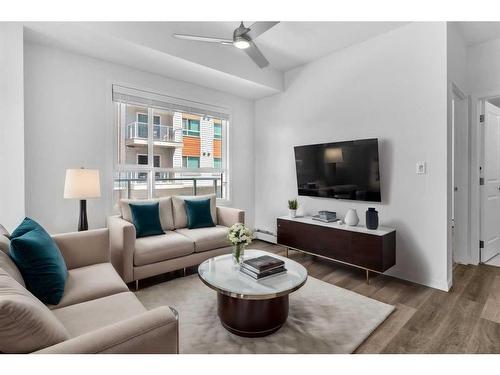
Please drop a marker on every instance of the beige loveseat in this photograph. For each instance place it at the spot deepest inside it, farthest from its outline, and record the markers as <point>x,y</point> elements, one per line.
<point>97,314</point>
<point>178,248</point>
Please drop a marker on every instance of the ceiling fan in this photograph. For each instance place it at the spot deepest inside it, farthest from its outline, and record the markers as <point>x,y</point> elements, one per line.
<point>243,38</point>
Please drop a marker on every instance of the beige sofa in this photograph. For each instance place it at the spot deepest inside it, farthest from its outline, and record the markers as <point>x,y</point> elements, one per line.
<point>97,314</point>
<point>178,248</point>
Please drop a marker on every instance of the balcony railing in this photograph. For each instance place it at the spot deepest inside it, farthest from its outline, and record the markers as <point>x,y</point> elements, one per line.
<point>132,185</point>
<point>163,133</point>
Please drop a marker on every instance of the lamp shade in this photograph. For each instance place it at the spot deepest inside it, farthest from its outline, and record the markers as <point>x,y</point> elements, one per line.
<point>82,184</point>
<point>333,155</point>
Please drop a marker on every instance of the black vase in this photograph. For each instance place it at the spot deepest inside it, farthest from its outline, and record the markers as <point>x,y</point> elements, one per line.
<point>371,218</point>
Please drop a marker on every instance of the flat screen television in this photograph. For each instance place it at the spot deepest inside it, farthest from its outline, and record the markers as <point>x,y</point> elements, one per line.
<point>340,170</point>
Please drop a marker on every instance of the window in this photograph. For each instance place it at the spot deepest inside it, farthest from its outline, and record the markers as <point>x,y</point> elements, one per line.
<point>143,119</point>
<point>188,159</point>
<point>190,162</point>
<point>217,163</point>
<point>143,160</point>
<point>191,127</point>
<point>217,131</point>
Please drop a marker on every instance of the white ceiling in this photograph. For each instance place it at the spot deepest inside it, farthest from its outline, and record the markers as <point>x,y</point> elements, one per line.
<point>292,44</point>
<point>478,32</point>
<point>149,46</point>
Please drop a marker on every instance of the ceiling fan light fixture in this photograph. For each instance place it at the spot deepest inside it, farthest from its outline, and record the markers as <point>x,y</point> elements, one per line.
<point>241,42</point>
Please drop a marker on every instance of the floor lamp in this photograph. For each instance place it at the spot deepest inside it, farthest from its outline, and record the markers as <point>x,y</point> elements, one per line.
<point>82,184</point>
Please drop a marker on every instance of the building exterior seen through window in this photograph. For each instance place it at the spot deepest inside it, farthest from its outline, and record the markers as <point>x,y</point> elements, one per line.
<point>186,148</point>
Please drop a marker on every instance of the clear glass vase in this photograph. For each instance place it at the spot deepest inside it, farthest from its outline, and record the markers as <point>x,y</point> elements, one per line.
<point>238,252</point>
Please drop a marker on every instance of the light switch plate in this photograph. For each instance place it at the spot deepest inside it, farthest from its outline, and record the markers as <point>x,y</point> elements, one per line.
<point>421,167</point>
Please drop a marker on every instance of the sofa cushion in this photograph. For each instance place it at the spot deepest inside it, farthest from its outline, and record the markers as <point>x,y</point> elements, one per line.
<point>91,315</point>
<point>39,260</point>
<point>10,267</point>
<point>91,282</point>
<point>179,209</point>
<point>207,238</point>
<point>26,324</point>
<point>158,248</point>
<point>166,215</point>
<point>146,219</point>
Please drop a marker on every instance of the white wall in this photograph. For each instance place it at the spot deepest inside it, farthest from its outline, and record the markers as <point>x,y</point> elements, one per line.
<point>11,125</point>
<point>483,73</point>
<point>392,87</point>
<point>69,123</point>
<point>456,57</point>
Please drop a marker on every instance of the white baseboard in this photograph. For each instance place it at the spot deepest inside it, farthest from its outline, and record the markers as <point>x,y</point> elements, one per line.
<point>266,237</point>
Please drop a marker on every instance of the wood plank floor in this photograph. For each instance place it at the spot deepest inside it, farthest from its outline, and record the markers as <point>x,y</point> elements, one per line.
<point>426,320</point>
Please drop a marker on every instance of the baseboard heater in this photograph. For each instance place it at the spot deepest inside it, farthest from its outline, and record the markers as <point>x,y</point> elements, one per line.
<point>265,235</point>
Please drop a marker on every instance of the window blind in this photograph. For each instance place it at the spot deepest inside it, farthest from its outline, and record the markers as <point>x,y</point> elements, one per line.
<point>145,98</point>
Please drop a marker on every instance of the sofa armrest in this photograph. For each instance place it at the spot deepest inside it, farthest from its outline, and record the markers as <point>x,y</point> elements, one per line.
<point>152,332</point>
<point>228,216</point>
<point>81,249</point>
<point>122,245</point>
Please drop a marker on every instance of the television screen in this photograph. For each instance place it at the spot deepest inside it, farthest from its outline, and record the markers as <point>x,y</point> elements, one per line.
<point>341,170</point>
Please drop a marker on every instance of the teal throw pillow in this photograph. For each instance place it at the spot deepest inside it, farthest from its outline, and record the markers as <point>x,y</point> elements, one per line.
<point>198,213</point>
<point>146,219</point>
<point>40,261</point>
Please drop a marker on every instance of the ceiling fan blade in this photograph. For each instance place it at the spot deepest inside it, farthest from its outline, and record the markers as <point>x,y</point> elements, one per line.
<point>254,52</point>
<point>197,38</point>
<point>260,27</point>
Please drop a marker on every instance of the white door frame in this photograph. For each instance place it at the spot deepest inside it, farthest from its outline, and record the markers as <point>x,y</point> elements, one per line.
<point>459,95</point>
<point>475,192</point>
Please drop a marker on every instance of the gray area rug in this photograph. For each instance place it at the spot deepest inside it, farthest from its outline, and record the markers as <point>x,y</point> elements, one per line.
<point>323,318</point>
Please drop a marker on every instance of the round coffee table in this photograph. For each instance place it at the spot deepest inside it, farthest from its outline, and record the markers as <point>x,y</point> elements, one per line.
<point>248,307</point>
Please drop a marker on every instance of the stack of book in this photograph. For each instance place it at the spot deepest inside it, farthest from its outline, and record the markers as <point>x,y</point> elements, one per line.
<point>326,216</point>
<point>263,266</point>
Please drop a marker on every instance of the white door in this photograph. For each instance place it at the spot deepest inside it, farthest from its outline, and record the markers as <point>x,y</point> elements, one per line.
<point>460,172</point>
<point>490,191</point>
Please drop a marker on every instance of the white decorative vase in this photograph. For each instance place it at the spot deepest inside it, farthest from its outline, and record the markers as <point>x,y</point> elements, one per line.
<point>351,218</point>
<point>292,213</point>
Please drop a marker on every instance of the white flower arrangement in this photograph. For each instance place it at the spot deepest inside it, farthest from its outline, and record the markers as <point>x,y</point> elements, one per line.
<point>239,234</point>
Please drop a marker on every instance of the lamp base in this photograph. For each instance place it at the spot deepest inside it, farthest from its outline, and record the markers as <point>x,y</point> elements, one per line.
<point>82,221</point>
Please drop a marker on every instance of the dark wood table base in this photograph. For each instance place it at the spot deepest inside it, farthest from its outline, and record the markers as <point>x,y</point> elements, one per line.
<point>252,318</point>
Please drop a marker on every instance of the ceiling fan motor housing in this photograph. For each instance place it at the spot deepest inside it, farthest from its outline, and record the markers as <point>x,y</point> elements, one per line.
<point>241,31</point>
